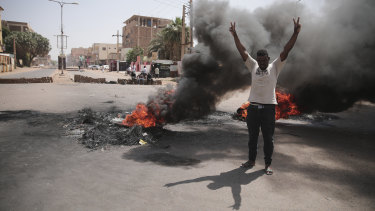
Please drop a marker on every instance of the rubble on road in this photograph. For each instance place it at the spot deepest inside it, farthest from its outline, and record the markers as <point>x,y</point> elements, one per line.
<point>130,81</point>
<point>97,130</point>
<point>25,80</point>
<point>85,79</point>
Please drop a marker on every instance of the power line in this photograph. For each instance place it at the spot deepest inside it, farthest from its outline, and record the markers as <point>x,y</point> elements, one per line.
<point>166,3</point>
<point>178,2</point>
<point>154,9</point>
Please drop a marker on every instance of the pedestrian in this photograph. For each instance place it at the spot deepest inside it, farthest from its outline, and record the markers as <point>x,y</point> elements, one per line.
<point>144,70</point>
<point>133,75</point>
<point>261,112</point>
<point>128,70</point>
<point>102,68</point>
<point>149,78</point>
<point>156,72</point>
<point>141,79</point>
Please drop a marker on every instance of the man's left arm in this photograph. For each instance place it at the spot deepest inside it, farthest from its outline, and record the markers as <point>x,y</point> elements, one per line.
<point>289,45</point>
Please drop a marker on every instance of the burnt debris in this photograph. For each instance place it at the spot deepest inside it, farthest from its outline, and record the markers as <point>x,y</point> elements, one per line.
<point>99,130</point>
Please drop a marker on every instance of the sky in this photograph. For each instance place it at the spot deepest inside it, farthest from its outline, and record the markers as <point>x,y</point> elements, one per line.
<point>95,21</point>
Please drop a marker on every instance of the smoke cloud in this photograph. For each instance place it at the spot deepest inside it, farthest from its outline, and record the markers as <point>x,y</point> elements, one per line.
<point>328,70</point>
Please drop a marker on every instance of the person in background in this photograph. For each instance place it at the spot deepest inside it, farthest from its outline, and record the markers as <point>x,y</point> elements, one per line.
<point>144,70</point>
<point>156,72</point>
<point>141,79</point>
<point>149,78</point>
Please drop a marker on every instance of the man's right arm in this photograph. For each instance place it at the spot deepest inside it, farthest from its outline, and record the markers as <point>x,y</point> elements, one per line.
<point>237,41</point>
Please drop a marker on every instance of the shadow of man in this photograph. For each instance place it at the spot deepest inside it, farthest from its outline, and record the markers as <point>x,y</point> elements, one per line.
<point>233,179</point>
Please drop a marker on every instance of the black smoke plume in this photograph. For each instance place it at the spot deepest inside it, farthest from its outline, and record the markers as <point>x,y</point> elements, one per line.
<point>330,67</point>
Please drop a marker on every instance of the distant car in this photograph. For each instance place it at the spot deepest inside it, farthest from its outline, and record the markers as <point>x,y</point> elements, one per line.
<point>41,65</point>
<point>106,67</point>
<point>95,67</point>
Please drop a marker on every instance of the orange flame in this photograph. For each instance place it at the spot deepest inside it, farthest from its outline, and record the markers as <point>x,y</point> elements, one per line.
<point>150,115</point>
<point>286,107</point>
<point>242,111</point>
<point>141,116</point>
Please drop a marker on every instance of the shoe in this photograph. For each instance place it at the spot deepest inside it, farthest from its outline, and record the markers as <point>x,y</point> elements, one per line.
<point>248,164</point>
<point>268,170</point>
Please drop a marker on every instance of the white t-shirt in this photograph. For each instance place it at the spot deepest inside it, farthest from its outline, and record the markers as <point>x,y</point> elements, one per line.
<point>263,82</point>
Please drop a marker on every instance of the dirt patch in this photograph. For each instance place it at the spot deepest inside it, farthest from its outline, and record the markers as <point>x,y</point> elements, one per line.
<point>62,79</point>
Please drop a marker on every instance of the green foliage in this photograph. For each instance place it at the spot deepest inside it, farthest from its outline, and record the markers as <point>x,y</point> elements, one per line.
<point>131,56</point>
<point>5,32</point>
<point>28,45</point>
<point>156,45</point>
<point>168,41</point>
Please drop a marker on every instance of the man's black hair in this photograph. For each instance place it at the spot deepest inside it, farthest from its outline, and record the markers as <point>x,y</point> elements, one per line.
<point>262,52</point>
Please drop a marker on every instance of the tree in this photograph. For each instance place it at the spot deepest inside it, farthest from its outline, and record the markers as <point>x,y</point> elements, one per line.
<point>131,56</point>
<point>157,45</point>
<point>5,32</point>
<point>28,45</point>
<point>168,41</point>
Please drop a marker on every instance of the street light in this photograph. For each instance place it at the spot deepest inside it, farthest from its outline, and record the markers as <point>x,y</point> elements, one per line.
<point>62,31</point>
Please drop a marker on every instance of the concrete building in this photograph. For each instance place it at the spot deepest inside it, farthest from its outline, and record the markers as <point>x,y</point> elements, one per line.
<point>99,53</point>
<point>7,61</point>
<point>102,52</point>
<point>75,54</point>
<point>139,30</point>
<point>124,52</point>
<point>16,26</point>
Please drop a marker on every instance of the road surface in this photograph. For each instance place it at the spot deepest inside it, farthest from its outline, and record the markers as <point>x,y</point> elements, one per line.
<point>39,73</point>
<point>325,166</point>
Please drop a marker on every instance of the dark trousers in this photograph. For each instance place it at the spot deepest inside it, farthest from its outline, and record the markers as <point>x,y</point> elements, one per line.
<point>264,117</point>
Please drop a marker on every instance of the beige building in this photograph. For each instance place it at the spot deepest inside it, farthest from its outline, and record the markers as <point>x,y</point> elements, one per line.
<point>124,52</point>
<point>139,30</point>
<point>75,54</point>
<point>7,61</point>
<point>102,52</point>
<point>16,26</point>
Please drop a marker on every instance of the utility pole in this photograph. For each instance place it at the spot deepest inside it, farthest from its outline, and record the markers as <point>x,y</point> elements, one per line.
<point>183,33</point>
<point>15,53</point>
<point>118,55</point>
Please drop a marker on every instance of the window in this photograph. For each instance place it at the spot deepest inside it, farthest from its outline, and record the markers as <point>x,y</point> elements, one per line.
<point>103,48</point>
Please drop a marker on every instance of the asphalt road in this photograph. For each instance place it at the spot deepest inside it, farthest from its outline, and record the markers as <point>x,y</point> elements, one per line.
<point>323,165</point>
<point>32,74</point>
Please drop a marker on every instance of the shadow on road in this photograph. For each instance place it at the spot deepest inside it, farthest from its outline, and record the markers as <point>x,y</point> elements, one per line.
<point>324,158</point>
<point>232,179</point>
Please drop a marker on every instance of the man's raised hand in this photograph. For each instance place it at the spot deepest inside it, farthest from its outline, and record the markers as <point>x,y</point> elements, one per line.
<point>297,26</point>
<point>232,28</point>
